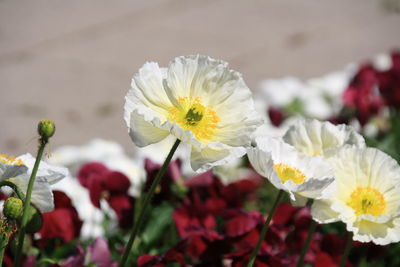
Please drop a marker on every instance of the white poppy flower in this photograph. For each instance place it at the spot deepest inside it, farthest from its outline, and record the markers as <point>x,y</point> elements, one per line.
<point>298,174</point>
<point>367,197</point>
<point>314,137</point>
<point>18,171</point>
<point>198,100</point>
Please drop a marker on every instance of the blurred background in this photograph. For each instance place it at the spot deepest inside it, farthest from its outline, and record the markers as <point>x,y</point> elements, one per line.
<point>72,61</point>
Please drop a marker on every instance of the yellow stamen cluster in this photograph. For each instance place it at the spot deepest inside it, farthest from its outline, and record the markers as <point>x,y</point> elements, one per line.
<point>367,200</point>
<point>191,115</point>
<point>285,172</point>
<point>10,160</point>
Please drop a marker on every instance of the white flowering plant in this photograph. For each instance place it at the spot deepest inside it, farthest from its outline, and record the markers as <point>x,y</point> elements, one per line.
<point>293,174</point>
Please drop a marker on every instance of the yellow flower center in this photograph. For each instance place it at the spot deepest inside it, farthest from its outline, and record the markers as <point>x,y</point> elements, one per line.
<point>192,115</point>
<point>367,200</point>
<point>10,160</point>
<point>285,172</point>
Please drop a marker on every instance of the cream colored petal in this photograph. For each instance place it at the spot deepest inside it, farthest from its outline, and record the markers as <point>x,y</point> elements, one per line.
<point>211,156</point>
<point>237,132</point>
<point>194,76</point>
<point>143,132</point>
<point>147,88</point>
<point>379,233</point>
<point>322,212</point>
<point>314,137</point>
<point>263,163</point>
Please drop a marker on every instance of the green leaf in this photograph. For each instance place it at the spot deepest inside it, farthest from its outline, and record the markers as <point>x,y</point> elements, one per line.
<point>159,220</point>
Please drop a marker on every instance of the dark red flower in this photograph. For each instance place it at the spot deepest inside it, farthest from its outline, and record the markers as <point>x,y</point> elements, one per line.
<point>173,255</point>
<point>63,223</point>
<point>389,82</point>
<point>111,186</point>
<point>172,175</point>
<point>363,95</point>
<point>323,259</point>
<point>276,116</point>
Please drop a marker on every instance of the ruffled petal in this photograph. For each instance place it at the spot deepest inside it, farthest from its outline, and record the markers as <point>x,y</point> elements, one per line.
<point>321,212</point>
<point>145,133</point>
<point>206,158</point>
<point>313,137</point>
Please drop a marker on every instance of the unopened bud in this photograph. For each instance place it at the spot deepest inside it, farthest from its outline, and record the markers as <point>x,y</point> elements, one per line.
<point>12,208</point>
<point>46,129</point>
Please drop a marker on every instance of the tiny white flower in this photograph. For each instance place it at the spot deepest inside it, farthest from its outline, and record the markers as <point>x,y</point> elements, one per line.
<point>300,175</point>
<point>314,137</point>
<point>367,199</point>
<point>197,99</point>
<point>18,171</point>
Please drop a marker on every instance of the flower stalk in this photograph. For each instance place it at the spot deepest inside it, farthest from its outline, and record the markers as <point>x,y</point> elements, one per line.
<point>3,239</point>
<point>347,248</point>
<point>265,229</point>
<point>45,134</point>
<point>311,231</point>
<point>146,203</point>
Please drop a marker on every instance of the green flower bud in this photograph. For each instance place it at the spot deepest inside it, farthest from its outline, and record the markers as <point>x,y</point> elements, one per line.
<point>46,129</point>
<point>13,208</point>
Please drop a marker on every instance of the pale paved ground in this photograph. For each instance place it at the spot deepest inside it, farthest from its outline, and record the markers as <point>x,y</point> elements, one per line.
<point>72,60</point>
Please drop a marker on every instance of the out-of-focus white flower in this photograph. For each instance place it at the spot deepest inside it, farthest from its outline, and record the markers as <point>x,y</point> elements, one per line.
<point>314,137</point>
<point>96,150</point>
<point>198,100</point>
<point>319,97</point>
<point>107,152</point>
<point>382,62</point>
<point>298,174</point>
<point>281,92</point>
<point>18,171</point>
<point>367,198</point>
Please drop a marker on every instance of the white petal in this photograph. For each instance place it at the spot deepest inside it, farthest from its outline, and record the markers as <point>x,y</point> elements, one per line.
<point>144,133</point>
<point>49,172</point>
<point>262,162</point>
<point>13,170</point>
<point>321,212</point>
<point>314,137</point>
<point>42,196</point>
<point>379,233</point>
<point>206,158</point>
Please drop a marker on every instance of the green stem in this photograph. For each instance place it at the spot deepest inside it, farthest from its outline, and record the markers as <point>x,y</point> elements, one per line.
<point>265,229</point>
<point>21,233</point>
<point>3,244</point>
<point>347,249</point>
<point>146,202</point>
<point>15,188</point>
<point>311,231</point>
